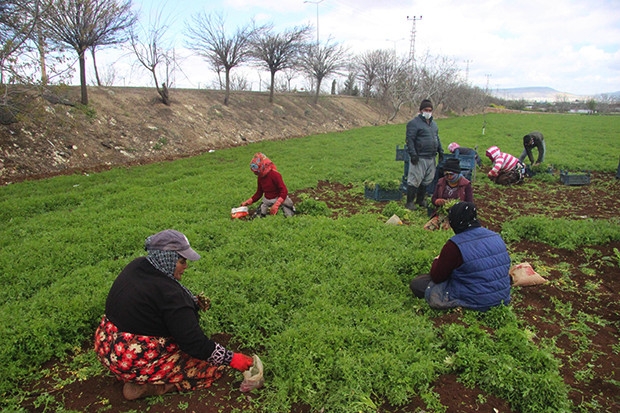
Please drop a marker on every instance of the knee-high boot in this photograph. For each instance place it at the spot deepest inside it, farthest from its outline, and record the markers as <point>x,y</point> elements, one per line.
<point>411,193</point>
<point>421,195</point>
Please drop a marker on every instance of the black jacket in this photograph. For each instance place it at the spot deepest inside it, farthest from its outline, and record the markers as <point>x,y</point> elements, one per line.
<point>531,140</point>
<point>423,138</point>
<point>144,301</point>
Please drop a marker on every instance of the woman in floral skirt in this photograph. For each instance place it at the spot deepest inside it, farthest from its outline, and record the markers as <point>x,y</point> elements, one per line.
<point>150,337</point>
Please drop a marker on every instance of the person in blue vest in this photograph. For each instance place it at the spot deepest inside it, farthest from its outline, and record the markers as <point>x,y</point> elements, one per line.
<point>472,269</point>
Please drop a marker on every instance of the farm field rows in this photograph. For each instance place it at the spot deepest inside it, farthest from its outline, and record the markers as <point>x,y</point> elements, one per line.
<point>304,282</point>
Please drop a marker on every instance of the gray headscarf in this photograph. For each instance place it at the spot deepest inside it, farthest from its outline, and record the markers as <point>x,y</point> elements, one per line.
<point>166,262</point>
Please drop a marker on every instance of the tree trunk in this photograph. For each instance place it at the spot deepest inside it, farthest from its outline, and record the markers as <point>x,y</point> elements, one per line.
<point>227,94</point>
<point>163,92</point>
<point>165,97</point>
<point>318,90</point>
<point>271,88</point>
<point>92,52</point>
<point>83,88</point>
<point>41,48</point>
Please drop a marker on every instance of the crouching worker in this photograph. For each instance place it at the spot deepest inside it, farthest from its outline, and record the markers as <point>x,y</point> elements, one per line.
<point>507,169</point>
<point>271,185</point>
<point>465,151</point>
<point>530,141</point>
<point>472,269</point>
<point>452,186</point>
<point>149,337</point>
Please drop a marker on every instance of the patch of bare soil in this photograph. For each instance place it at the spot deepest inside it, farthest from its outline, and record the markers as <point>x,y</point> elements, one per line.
<point>588,371</point>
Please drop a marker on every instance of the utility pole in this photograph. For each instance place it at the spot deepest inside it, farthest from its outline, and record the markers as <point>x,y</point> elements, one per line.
<point>394,41</point>
<point>412,46</point>
<point>484,112</point>
<point>467,62</point>
<point>317,17</point>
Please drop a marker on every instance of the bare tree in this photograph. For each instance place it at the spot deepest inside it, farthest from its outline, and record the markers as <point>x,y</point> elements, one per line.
<point>368,65</point>
<point>278,51</point>
<point>150,46</point>
<point>84,24</point>
<point>438,77</point>
<point>115,37</point>
<point>465,98</point>
<point>320,62</point>
<point>395,83</point>
<point>207,37</point>
<point>289,75</point>
<point>18,21</point>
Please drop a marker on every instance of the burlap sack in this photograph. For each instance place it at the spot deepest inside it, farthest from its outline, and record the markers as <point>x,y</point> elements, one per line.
<point>523,274</point>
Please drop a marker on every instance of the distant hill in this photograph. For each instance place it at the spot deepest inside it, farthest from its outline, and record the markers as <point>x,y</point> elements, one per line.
<point>535,94</point>
<point>545,94</point>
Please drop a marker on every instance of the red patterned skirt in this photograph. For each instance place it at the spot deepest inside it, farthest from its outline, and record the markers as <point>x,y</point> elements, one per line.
<point>147,359</point>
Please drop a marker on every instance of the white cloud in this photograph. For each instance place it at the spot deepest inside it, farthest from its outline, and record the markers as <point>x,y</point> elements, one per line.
<point>569,45</point>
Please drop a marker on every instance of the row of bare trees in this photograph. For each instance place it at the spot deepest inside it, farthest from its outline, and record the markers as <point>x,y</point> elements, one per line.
<point>46,28</point>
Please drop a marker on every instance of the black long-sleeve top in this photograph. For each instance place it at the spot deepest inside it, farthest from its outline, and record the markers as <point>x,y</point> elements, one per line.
<point>531,140</point>
<point>144,301</point>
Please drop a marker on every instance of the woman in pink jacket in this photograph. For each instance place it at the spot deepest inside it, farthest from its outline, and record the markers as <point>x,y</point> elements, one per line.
<point>507,169</point>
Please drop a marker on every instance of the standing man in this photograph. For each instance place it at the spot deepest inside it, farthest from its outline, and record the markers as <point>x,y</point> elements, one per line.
<point>422,145</point>
<point>531,140</point>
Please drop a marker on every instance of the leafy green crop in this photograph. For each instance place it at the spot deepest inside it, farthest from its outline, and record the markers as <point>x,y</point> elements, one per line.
<point>324,302</point>
<point>311,206</point>
<point>562,233</point>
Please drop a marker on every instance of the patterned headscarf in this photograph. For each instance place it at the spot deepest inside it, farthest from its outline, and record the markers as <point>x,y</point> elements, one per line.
<point>463,216</point>
<point>166,262</point>
<point>261,165</point>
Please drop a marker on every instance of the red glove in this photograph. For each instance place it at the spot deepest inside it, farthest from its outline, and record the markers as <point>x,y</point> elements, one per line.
<point>241,362</point>
<point>247,202</point>
<point>274,209</point>
<point>440,201</point>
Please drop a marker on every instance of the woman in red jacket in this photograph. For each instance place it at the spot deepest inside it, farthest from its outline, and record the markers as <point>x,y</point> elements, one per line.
<point>271,187</point>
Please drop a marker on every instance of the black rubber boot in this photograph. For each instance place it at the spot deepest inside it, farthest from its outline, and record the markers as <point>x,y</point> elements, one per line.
<point>411,192</point>
<point>421,196</point>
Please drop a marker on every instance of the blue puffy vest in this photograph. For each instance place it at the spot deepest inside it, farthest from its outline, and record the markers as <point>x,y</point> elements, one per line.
<point>482,281</point>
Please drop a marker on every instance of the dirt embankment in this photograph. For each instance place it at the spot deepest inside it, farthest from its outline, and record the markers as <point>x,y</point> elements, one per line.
<point>128,126</point>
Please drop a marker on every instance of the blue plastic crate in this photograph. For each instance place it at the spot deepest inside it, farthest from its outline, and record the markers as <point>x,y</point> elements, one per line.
<point>379,194</point>
<point>401,153</point>
<point>581,179</point>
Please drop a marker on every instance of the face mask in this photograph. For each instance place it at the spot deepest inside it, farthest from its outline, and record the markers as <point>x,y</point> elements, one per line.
<point>427,115</point>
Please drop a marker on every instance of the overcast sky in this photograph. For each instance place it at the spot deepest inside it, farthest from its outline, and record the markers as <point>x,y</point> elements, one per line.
<point>571,46</point>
